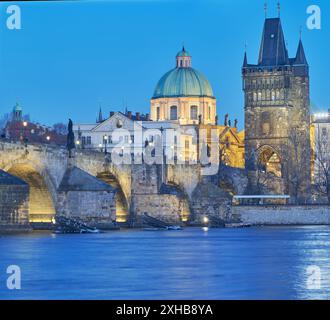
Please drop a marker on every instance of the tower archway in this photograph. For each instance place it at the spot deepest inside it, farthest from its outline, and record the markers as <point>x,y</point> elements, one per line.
<point>269,161</point>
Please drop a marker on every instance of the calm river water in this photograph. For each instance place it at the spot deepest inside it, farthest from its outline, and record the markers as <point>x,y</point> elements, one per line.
<point>252,263</point>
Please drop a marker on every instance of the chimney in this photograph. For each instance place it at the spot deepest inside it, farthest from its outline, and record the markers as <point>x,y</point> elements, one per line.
<point>129,114</point>
<point>138,116</point>
<point>112,113</point>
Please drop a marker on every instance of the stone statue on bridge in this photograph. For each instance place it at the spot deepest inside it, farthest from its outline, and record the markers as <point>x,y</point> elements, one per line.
<point>70,138</point>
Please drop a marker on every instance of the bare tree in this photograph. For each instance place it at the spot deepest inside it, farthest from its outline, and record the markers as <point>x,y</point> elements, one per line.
<point>294,155</point>
<point>322,165</point>
<point>60,128</point>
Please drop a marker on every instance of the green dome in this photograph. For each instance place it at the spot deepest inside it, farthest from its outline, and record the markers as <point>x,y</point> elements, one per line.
<point>183,82</point>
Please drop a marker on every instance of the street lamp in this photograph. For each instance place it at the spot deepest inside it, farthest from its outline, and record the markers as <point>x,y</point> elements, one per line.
<point>206,220</point>
<point>48,138</point>
<point>25,124</point>
<point>105,140</point>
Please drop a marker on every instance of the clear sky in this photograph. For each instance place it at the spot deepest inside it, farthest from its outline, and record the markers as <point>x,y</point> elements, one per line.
<point>71,56</point>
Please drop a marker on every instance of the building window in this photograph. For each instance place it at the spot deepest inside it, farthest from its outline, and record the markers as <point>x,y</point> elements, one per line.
<point>89,140</point>
<point>209,112</point>
<point>174,113</point>
<point>158,113</point>
<point>265,123</point>
<point>324,132</point>
<point>193,112</point>
<point>273,96</point>
<point>83,141</point>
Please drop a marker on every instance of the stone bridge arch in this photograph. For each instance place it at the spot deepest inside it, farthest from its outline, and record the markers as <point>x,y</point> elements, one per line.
<point>96,164</point>
<point>43,195</point>
<point>122,203</point>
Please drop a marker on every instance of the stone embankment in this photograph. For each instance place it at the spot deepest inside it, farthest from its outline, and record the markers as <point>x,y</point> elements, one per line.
<point>283,215</point>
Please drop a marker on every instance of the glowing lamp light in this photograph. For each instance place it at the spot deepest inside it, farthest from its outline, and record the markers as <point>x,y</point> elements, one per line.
<point>25,124</point>
<point>206,220</point>
<point>78,142</point>
<point>48,138</point>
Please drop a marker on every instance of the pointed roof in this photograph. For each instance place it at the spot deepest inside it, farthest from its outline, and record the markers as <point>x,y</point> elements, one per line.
<point>273,51</point>
<point>100,117</point>
<point>245,62</point>
<point>301,57</point>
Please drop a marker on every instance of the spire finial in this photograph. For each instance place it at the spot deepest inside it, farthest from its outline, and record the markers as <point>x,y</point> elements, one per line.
<point>279,8</point>
<point>265,9</point>
<point>300,32</point>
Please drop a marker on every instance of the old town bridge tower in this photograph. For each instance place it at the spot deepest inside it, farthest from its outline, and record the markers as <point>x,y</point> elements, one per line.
<point>277,117</point>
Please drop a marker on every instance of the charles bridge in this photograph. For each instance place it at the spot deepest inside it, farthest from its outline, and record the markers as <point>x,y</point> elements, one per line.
<point>90,186</point>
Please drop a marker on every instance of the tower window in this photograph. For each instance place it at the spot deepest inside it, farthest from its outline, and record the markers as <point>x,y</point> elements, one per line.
<point>174,113</point>
<point>193,112</point>
<point>273,96</point>
<point>158,113</point>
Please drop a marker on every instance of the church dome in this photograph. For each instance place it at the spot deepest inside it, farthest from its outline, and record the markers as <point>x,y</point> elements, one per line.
<point>183,81</point>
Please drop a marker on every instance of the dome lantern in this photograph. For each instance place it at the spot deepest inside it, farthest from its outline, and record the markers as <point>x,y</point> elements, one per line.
<point>183,59</point>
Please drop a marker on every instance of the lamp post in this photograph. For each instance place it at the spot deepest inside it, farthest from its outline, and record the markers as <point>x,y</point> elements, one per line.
<point>105,140</point>
<point>25,124</point>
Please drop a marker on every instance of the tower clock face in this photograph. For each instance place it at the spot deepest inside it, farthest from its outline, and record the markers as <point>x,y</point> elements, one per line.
<point>119,123</point>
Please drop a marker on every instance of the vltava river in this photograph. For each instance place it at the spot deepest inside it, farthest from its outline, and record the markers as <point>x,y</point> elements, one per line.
<point>252,263</point>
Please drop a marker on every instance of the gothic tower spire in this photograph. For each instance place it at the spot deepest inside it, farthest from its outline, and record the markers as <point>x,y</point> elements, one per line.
<point>100,117</point>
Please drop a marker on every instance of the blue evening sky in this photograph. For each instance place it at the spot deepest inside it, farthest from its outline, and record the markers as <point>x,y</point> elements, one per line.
<point>71,56</point>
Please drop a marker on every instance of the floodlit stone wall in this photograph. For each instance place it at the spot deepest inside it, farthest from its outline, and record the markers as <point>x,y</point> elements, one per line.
<point>14,205</point>
<point>89,206</point>
<point>283,215</point>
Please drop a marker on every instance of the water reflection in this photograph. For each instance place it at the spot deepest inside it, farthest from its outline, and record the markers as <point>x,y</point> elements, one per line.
<point>252,263</point>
